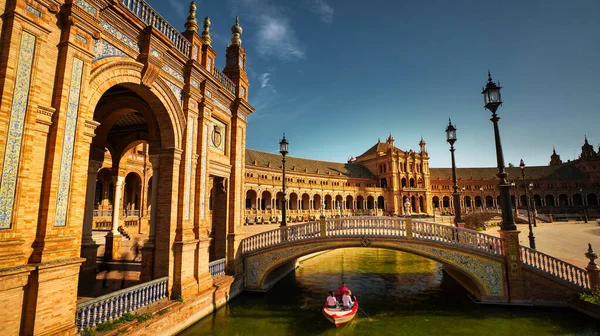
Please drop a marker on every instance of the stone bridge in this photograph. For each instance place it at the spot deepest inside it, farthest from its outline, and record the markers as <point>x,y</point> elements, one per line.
<point>493,269</point>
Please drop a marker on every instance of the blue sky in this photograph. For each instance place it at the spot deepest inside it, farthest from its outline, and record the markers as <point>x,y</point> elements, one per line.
<point>336,75</point>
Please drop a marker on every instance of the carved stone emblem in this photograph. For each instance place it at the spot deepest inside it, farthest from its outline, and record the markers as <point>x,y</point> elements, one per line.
<point>217,136</point>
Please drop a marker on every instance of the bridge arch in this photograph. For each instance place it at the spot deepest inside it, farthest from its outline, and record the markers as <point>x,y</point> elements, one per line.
<point>485,274</point>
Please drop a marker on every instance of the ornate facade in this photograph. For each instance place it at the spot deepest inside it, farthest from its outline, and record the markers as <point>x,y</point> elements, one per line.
<point>381,180</point>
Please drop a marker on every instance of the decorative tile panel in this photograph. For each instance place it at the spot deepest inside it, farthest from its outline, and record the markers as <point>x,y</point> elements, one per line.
<point>64,177</point>
<point>103,49</point>
<point>209,64</point>
<point>173,73</point>
<point>176,91</point>
<point>221,105</point>
<point>81,39</point>
<point>208,93</point>
<point>33,11</point>
<point>87,7</point>
<point>116,33</point>
<point>155,53</point>
<point>188,170</point>
<point>18,109</point>
<point>195,84</point>
<point>203,171</point>
<point>195,52</point>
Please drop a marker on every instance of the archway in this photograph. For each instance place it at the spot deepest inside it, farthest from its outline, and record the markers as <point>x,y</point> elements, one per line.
<point>436,202</point>
<point>550,200</point>
<point>305,201</point>
<point>265,200</point>
<point>328,202</point>
<point>317,202</point>
<point>446,202</point>
<point>478,202</point>
<point>380,203</point>
<point>403,182</point>
<point>577,200</point>
<point>339,202</point>
<point>349,202</point>
<point>360,202</point>
<point>251,197</point>
<point>412,182</point>
<point>293,202</point>
<point>279,200</point>
<point>563,201</point>
<point>468,202</point>
<point>370,202</point>
<point>489,202</point>
<point>132,195</point>
<point>413,203</point>
<point>592,199</point>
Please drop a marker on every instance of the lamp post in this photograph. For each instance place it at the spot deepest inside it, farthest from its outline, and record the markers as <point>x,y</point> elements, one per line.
<point>451,139</point>
<point>533,204</point>
<point>492,100</point>
<point>583,199</point>
<point>283,149</point>
<point>531,237</point>
<point>513,185</point>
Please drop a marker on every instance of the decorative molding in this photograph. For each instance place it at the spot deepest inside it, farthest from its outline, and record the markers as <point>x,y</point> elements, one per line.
<point>44,115</point>
<point>120,36</point>
<point>103,49</point>
<point>149,74</point>
<point>173,73</point>
<point>176,91</point>
<point>203,171</point>
<point>188,169</point>
<point>81,39</point>
<point>208,93</point>
<point>87,7</point>
<point>12,151</point>
<point>195,83</point>
<point>64,179</point>
<point>155,53</point>
<point>221,105</point>
<point>90,128</point>
<point>33,10</point>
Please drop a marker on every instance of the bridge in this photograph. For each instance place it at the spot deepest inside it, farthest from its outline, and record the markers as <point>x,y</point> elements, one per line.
<point>493,269</point>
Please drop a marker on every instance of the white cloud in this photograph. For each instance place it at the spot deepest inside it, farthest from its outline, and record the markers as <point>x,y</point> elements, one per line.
<point>323,9</point>
<point>264,79</point>
<point>276,39</point>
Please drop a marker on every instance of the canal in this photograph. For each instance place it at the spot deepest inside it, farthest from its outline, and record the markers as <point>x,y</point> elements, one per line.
<point>401,293</point>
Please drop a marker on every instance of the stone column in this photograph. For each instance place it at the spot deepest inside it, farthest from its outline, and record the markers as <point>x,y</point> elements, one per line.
<point>89,248</point>
<point>515,282</point>
<point>113,238</point>
<point>147,273</point>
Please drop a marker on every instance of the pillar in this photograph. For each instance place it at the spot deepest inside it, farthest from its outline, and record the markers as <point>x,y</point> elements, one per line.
<point>147,272</point>
<point>113,238</point>
<point>515,282</point>
<point>593,268</point>
<point>89,248</point>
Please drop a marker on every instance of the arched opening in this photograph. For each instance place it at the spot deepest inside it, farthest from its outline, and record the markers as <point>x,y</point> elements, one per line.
<point>349,202</point>
<point>305,201</point>
<point>498,201</point>
<point>592,199</point>
<point>478,202</point>
<point>131,195</point>
<point>360,203</point>
<point>318,202</point>
<point>279,200</point>
<point>436,202</point>
<point>538,200</point>
<point>370,203</point>
<point>422,204</point>
<point>328,201</point>
<point>412,182</point>
<point>489,202</point>
<point>251,197</point>
<point>523,200</point>
<point>339,202</point>
<point>468,202</point>
<point>563,200</point>
<point>380,203</point>
<point>550,200</point>
<point>577,200</point>
<point>383,183</point>
<point>403,182</point>
<point>420,183</point>
<point>293,201</point>
<point>413,203</point>
<point>265,200</point>
<point>446,202</point>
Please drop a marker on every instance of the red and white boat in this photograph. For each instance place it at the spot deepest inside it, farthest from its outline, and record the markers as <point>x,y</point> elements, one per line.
<point>338,316</point>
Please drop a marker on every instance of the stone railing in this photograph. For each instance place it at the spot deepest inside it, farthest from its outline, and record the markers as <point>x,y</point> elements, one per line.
<point>102,225</point>
<point>217,268</point>
<point>102,213</point>
<point>228,83</point>
<point>147,14</point>
<point>372,226</point>
<point>555,267</point>
<point>114,305</point>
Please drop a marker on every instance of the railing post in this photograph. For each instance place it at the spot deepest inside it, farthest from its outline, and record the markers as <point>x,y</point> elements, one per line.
<point>593,268</point>
<point>323,225</point>
<point>409,227</point>
<point>514,274</point>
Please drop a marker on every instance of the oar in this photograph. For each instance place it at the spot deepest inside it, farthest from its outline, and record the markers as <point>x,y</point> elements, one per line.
<point>364,313</point>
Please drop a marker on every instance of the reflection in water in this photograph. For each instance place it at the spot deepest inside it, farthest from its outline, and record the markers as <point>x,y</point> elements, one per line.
<point>403,294</point>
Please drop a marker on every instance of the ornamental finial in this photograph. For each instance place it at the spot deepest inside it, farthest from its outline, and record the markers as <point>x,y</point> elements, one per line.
<point>206,31</point>
<point>489,76</point>
<point>237,31</point>
<point>191,23</point>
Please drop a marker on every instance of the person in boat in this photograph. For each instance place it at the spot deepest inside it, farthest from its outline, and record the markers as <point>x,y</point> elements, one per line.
<point>341,290</point>
<point>331,300</point>
<point>347,301</point>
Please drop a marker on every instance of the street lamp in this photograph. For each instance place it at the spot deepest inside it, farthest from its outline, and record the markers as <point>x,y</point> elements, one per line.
<point>531,237</point>
<point>583,199</point>
<point>283,149</point>
<point>533,204</point>
<point>514,188</point>
<point>492,100</point>
<point>481,198</point>
<point>451,139</point>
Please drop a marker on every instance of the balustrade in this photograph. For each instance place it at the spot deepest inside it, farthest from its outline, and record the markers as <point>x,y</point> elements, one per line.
<point>112,306</point>
<point>217,268</point>
<point>228,83</point>
<point>102,213</point>
<point>555,267</point>
<point>457,236</point>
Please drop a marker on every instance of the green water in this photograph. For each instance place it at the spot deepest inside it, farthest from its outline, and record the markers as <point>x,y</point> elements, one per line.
<point>402,294</point>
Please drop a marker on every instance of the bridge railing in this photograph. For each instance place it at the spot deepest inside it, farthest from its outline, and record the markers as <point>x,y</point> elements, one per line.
<point>217,267</point>
<point>365,226</point>
<point>113,305</point>
<point>457,236</point>
<point>555,267</point>
<point>274,237</point>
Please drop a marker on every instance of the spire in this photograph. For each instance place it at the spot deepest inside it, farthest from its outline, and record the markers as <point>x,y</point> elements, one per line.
<point>191,23</point>
<point>555,158</point>
<point>586,140</point>
<point>553,150</point>
<point>206,31</point>
<point>236,30</point>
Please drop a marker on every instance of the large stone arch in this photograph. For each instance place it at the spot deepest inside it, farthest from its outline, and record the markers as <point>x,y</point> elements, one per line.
<point>487,273</point>
<point>109,72</point>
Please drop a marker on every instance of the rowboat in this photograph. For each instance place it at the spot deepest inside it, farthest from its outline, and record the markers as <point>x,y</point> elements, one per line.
<point>338,316</point>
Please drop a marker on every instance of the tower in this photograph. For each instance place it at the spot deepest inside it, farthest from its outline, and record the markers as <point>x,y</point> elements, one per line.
<point>555,158</point>
<point>422,145</point>
<point>235,68</point>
